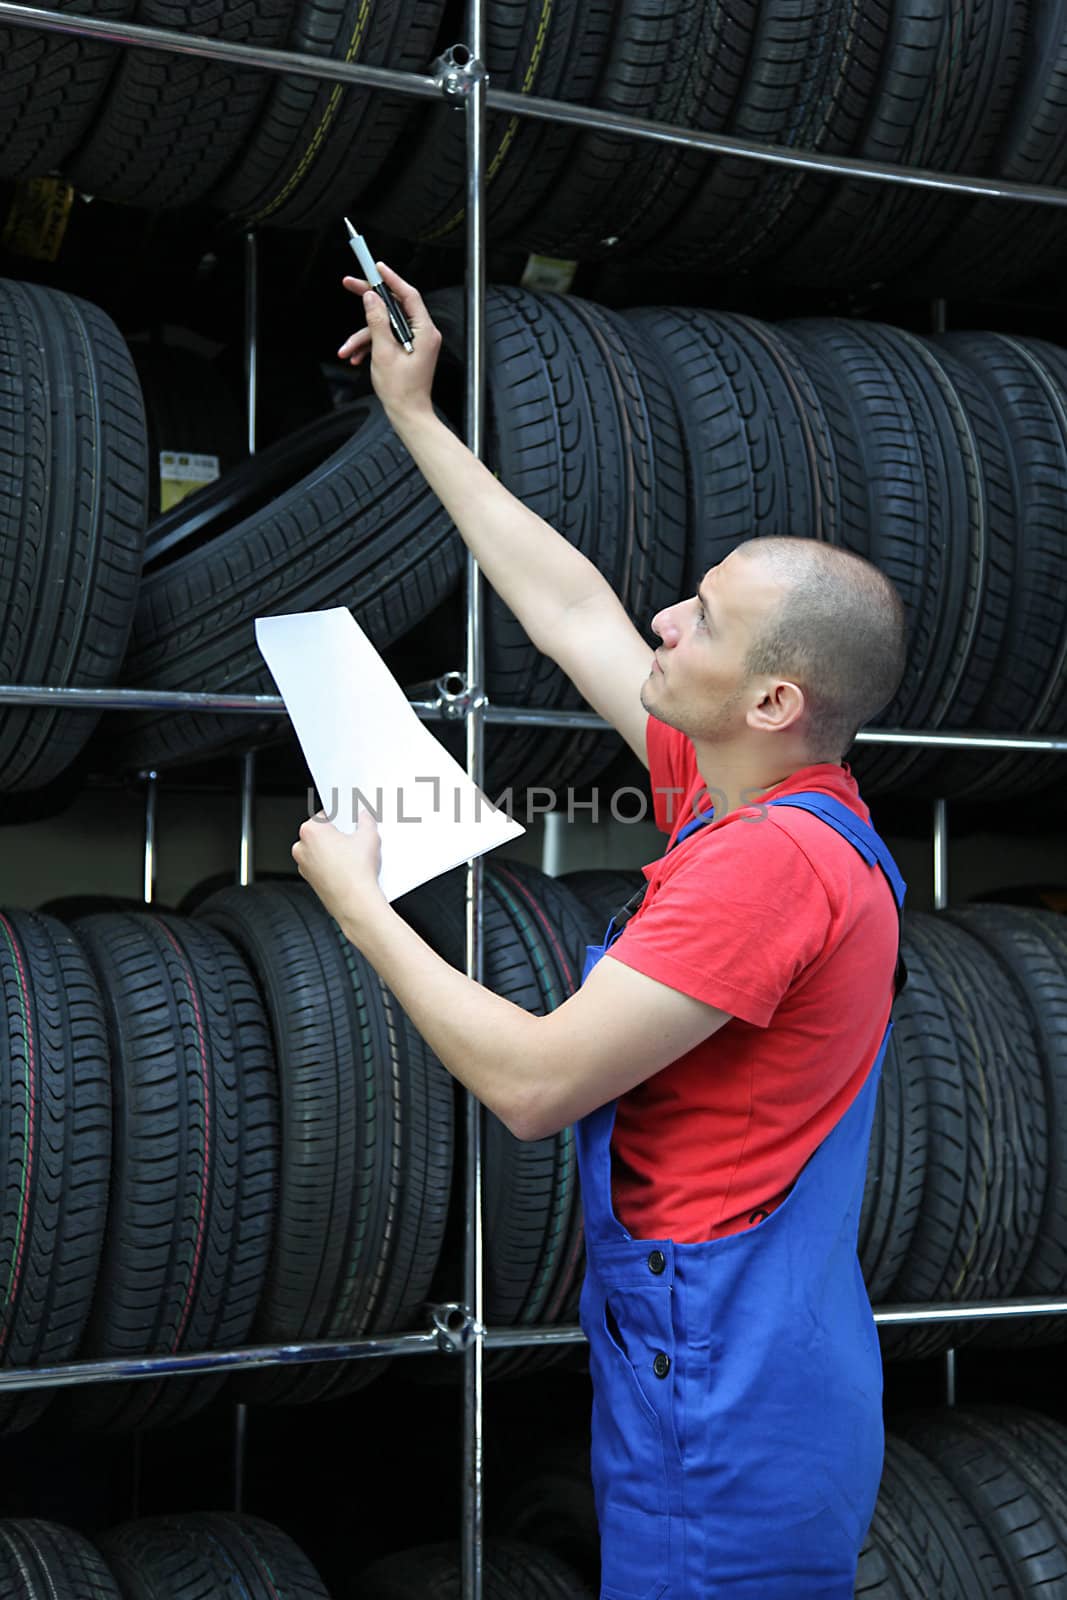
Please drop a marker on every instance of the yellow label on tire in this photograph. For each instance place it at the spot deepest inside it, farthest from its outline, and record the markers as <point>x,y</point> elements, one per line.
<point>181,473</point>
<point>37,219</point>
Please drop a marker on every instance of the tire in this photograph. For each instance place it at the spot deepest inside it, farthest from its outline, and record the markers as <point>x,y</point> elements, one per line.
<point>1006,1483</point>
<point>44,1561</point>
<point>895,1561</point>
<point>171,124</point>
<point>797,75</point>
<point>945,1539</point>
<point>534,934</point>
<point>547,50</point>
<point>614,193</point>
<point>896,1170</point>
<point>763,457</point>
<point>877,1578</point>
<point>1032,948</point>
<point>188,408</point>
<point>512,1572</point>
<point>195,1158</point>
<point>1027,689</point>
<point>50,87</point>
<point>584,432</point>
<point>297,168</point>
<point>367,1136</point>
<point>250,485</point>
<point>941,524</point>
<point>361,529</point>
<point>980,1211</point>
<point>945,80</point>
<point>55,1149</point>
<point>73,489</point>
<point>993,246</point>
<point>208,1554</point>
<point>552,1507</point>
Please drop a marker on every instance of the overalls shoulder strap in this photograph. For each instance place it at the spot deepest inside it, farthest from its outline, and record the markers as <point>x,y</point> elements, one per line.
<point>859,833</point>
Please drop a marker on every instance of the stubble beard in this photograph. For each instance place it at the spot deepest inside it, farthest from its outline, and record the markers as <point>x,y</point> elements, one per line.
<point>712,725</point>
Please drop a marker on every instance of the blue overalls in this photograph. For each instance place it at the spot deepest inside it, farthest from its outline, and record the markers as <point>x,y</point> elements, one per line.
<point>737,1419</point>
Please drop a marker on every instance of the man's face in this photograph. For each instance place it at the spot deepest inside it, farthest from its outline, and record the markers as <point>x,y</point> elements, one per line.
<point>698,683</point>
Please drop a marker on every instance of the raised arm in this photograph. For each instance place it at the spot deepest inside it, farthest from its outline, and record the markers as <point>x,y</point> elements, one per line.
<point>568,609</point>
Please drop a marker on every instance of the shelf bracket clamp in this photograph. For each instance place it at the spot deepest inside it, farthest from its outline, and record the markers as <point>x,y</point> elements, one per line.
<point>457,74</point>
<point>455,1327</point>
<point>455,698</point>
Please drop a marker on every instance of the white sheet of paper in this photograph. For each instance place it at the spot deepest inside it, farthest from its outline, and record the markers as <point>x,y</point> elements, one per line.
<point>361,738</point>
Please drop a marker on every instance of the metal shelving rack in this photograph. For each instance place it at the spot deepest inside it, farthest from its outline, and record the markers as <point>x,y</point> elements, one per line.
<point>458,1328</point>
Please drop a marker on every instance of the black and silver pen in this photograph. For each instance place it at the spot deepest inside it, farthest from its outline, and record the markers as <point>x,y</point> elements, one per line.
<point>397,321</point>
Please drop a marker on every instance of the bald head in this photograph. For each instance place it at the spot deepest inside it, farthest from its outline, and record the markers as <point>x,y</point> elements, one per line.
<point>838,631</point>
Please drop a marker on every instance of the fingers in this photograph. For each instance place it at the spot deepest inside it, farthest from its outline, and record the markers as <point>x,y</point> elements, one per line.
<point>356,346</point>
<point>355,285</point>
<point>407,294</point>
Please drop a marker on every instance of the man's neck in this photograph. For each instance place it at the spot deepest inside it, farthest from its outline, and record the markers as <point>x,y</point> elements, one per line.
<point>733,779</point>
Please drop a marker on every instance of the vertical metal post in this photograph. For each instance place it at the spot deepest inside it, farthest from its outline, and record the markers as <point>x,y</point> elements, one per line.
<point>940,903</point>
<point>251,333</point>
<point>552,844</point>
<point>248,760</point>
<point>245,857</point>
<point>151,800</point>
<point>244,877</point>
<point>240,1454</point>
<point>471,1550</point>
<point>148,894</point>
<point>940,855</point>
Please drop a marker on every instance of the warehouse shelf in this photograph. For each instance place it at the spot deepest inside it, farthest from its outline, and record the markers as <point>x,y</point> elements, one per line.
<point>446,710</point>
<point>450,1335</point>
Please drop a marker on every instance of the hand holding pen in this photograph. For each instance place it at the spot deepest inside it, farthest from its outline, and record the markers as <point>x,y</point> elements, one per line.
<point>401,381</point>
<point>398,322</point>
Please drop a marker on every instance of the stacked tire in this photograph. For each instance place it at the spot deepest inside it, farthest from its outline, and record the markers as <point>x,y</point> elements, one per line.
<point>534,937</point>
<point>217,1130</point>
<point>944,461</point>
<point>73,490</point>
<point>162,129</point>
<point>158,1557</point>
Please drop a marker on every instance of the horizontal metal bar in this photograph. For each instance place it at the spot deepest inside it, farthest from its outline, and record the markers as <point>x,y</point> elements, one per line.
<point>963,741</point>
<point>990,188</point>
<point>945,1311</point>
<point>535,106</point>
<point>118,1370</point>
<point>414,1344</point>
<point>245,55</point>
<point>886,1316</point>
<point>520,1338</point>
<point>168,700</point>
<point>433,711</point>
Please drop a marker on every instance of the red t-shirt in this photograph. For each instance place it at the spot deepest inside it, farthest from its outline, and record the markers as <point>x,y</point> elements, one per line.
<point>771,916</point>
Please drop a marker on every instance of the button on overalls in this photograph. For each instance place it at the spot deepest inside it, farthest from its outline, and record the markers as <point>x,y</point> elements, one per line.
<point>737,1384</point>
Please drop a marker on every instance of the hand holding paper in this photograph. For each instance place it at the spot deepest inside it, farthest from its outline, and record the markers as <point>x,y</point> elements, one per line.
<point>361,739</point>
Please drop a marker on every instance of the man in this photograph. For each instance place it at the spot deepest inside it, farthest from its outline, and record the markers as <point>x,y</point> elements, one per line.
<point>721,1062</point>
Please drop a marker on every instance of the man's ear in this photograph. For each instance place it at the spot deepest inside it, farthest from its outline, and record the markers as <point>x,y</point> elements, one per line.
<point>781,706</point>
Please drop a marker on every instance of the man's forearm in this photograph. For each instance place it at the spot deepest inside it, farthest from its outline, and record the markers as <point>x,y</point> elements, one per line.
<point>533,569</point>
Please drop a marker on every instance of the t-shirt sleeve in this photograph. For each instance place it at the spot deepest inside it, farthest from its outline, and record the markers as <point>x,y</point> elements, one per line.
<point>672,765</point>
<point>735,924</point>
